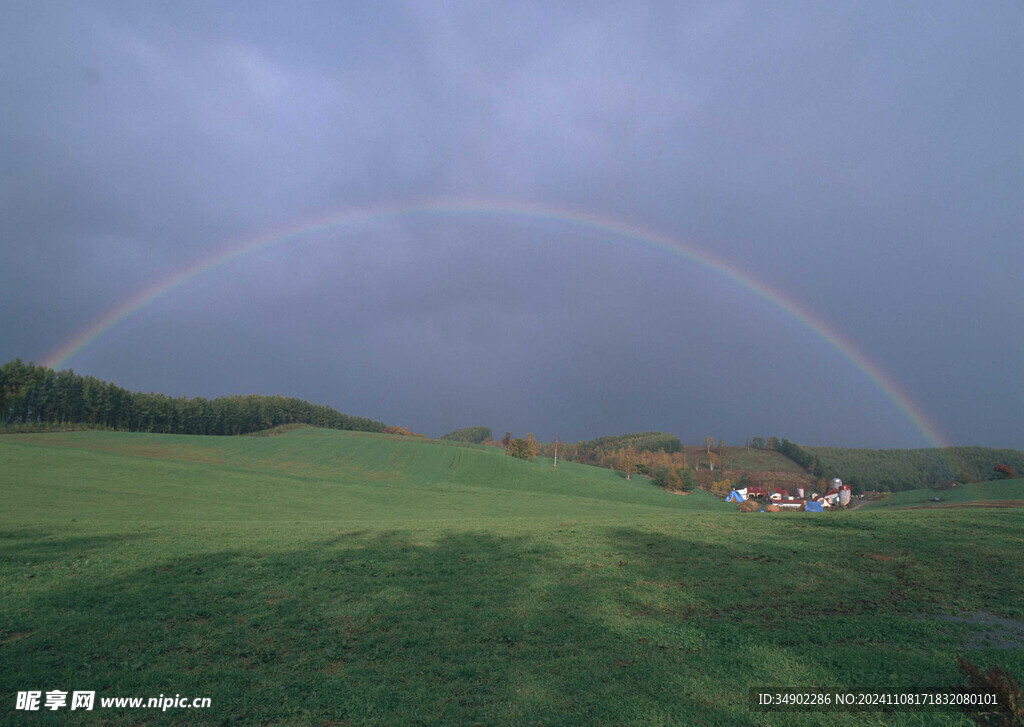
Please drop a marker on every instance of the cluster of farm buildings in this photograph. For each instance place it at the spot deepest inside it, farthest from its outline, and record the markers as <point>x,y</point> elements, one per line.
<point>839,496</point>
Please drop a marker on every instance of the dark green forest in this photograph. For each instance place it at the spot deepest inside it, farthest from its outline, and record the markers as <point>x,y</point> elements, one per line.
<point>37,398</point>
<point>892,470</point>
<point>470,435</point>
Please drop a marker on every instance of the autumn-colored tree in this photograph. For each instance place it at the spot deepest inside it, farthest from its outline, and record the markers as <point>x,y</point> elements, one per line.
<point>723,487</point>
<point>708,441</point>
<point>1004,472</point>
<point>507,439</point>
<point>626,461</point>
<point>523,448</point>
<point>668,479</point>
<point>401,431</point>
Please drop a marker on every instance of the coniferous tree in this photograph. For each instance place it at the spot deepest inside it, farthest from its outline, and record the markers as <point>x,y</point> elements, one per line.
<point>36,397</point>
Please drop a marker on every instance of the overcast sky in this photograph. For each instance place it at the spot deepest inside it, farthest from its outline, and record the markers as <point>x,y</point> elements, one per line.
<point>866,160</point>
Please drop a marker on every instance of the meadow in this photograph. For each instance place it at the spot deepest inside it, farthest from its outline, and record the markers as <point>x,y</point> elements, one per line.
<point>343,578</point>
<point>997,491</point>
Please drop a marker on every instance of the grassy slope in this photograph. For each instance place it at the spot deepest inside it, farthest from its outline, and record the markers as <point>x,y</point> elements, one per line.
<point>349,477</point>
<point>341,578</point>
<point>975,492</point>
<point>741,458</point>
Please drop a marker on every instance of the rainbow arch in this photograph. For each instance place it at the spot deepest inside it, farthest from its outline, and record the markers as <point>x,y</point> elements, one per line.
<point>352,218</point>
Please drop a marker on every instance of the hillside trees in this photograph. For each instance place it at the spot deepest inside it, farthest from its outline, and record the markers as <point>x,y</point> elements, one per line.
<point>567,452</point>
<point>676,479</point>
<point>472,435</point>
<point>689,479</point>
<point>667,479</point>
<point>523,448</point>
<point>600,451</point>
<point>722,487</point>
<point>401,431</point>
<point>34,397</point>
<point>1003,472</point>
<point>624,460</point>
<point>892,470</point>
<point>636,453</point>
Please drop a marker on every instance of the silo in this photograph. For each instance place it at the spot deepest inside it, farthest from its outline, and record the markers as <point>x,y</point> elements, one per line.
<point>800,492</point>
<point>844,495</point>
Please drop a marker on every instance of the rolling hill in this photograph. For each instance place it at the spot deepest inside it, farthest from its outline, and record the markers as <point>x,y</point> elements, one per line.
<point>346,578</point>
<point>351,477</point>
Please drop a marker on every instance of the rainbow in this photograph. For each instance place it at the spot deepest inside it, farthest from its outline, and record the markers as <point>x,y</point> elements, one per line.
<point>355,217</point>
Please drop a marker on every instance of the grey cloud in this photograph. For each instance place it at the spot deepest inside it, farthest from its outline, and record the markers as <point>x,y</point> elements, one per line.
<point>864,160</point>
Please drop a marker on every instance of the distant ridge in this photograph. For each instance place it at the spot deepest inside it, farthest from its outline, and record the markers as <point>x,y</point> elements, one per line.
<point>37,398</point>
<point>470,435</point>
<point>893,470</point>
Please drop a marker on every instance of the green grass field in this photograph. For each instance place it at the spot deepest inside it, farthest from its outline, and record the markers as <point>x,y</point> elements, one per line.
<point>977,492</point>
<point>334,578</point>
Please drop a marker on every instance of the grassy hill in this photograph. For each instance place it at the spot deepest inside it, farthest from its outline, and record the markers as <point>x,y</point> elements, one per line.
<point>349,477</point>
<point>743,459</point>
<point>977,492</point>
<point>760,466</point>
<point>339,578</point>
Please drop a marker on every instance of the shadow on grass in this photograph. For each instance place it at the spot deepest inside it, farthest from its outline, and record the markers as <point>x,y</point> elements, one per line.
<point>624,627</point>
<point>40,546</point>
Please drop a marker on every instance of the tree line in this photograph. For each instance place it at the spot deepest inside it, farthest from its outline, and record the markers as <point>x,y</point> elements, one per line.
<point>892,470</point>
<point>469,435</point>
<point>596,451</point>
<point>657,455</point>
<point>37,397</point>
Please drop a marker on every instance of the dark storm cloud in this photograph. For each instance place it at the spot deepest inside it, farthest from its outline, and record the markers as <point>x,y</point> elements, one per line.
<point>865,160</point>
